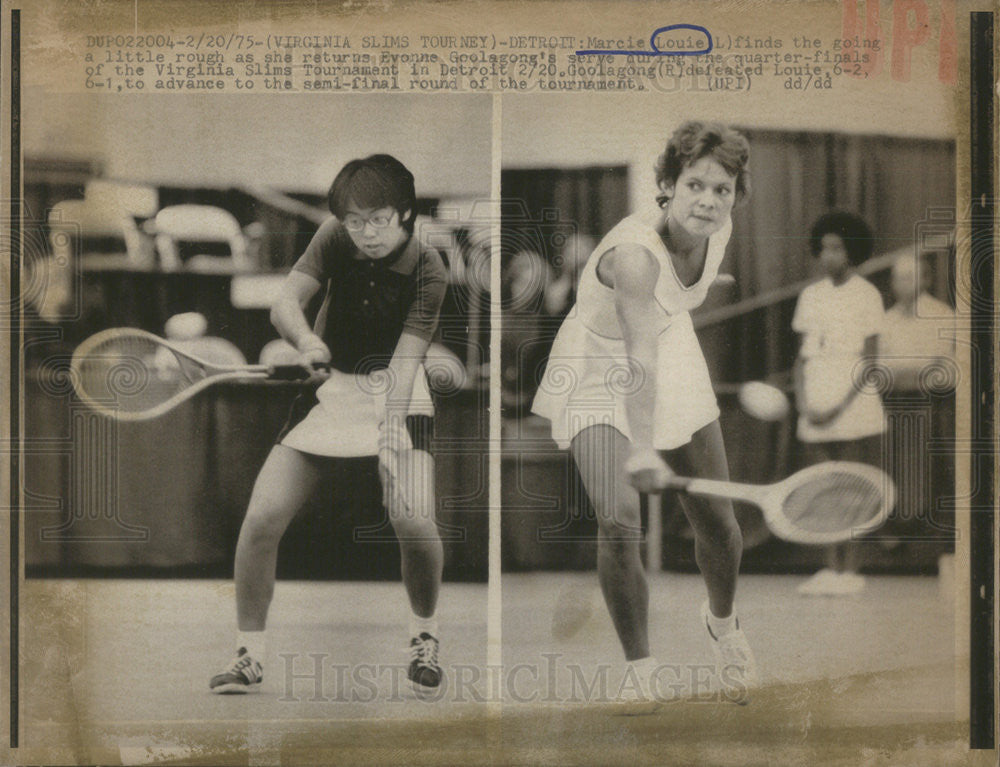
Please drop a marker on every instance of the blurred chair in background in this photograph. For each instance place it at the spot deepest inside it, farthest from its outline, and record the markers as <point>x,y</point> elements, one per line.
<point>104,223</point>
<point>131,203</point>
<point>178,225</point>
<point>99,230</point>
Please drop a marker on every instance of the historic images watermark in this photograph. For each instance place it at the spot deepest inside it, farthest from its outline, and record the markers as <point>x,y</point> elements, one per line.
<point>314,677</point>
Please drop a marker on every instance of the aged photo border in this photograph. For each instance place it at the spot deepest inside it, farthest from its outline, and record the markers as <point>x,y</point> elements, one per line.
<point>982,669</point>
<point>981,415</point>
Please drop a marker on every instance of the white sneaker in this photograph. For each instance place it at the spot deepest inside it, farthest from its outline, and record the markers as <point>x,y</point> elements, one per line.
<point>635,695</point>
<point>735,664</point>
<point>819,584</point>
<point>830,583</point>
<point>851,583</point>
<point>243,674</point>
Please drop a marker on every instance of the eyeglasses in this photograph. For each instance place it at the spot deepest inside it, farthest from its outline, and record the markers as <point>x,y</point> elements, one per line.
<point>355,223</point>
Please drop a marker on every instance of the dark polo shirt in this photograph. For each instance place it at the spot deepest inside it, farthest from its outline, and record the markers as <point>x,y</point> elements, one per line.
<point>368,302</point>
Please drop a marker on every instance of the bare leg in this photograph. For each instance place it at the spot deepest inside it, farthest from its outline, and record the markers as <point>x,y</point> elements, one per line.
<point>718,541</point>
<point>421,553</point>
<point>843,557</point>
<point>818,452</point>
<point>285,482</point>
<point>600,453</point>
<point>846,557</point>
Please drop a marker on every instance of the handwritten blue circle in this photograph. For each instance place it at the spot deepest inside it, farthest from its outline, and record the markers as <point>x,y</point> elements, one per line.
<point>652,44</point>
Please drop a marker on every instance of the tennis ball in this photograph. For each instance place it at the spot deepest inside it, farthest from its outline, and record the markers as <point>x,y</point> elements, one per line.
<point>763,401</point>
<point>185,326</point>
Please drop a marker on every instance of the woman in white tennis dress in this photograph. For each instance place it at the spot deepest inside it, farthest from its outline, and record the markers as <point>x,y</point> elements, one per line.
<point>628,391</point>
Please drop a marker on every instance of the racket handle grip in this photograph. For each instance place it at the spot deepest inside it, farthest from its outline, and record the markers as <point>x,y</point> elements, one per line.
<point>677,483</point>
<point>293,372</point>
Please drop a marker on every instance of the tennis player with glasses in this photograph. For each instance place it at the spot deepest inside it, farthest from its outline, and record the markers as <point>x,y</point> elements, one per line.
<point>627,390</point>
<point>382,296</point>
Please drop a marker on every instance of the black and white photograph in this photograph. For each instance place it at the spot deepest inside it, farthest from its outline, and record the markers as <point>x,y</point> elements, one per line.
<point>729,376</point>
<point>550,382</point>
<point>245,343</point>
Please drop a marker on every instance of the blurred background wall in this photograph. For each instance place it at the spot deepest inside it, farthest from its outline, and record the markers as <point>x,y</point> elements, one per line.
<point>290,141</point>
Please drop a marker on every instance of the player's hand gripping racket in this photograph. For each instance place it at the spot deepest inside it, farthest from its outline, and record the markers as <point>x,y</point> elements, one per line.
<point>826,503</point>
<point>131,375</point>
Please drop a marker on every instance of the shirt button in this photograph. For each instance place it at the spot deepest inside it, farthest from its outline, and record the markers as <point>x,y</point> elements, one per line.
<point>372,283</point>
<point>365,302</point>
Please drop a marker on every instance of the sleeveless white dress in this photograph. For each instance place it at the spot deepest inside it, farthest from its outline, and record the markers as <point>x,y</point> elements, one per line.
<point>587,376</point>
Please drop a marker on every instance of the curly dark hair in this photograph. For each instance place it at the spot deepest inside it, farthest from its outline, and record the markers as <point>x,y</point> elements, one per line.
<point>376,181</point>
<point>694,140</point>
<point>859,241</point>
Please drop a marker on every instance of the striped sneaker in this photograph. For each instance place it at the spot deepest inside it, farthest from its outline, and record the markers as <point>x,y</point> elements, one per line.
<point>241,676</point>
<point>424,672</point>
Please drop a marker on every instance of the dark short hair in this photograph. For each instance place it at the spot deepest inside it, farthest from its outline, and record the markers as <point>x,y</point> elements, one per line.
<point>694,140</point>
<point>374,182</point>
<point>859,241</point>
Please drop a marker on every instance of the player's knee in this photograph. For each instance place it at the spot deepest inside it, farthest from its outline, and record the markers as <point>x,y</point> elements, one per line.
<point>415,511</point>
<point>412,526</point>
<point>619,543</point>
<point>719,526</point>
<point>618,520</point>
<point>264,523</point>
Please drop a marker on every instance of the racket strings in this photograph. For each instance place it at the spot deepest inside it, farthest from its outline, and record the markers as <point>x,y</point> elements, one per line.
<point>835,501</point>
<point>133,374</point>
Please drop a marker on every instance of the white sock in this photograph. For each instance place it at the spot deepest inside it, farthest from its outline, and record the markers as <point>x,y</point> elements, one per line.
<point>420,625</point>
<point>253,641</point>
<point>722,626</point>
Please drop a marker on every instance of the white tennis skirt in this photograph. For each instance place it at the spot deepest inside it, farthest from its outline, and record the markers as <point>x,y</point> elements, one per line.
<point>587,379</point>
<point>344,422</point>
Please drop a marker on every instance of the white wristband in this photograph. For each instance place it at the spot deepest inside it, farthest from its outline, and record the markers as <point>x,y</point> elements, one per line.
<point>640,461</point>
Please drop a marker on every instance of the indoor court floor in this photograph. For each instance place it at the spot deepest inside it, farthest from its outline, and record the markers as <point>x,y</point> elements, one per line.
<point>116,672</point>
<point>869,679</point>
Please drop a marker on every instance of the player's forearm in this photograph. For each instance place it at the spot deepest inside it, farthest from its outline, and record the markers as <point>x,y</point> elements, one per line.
<point>288,310</point>
<point>290,322</point>
<point>641,321</point>
<point>640,403</point>
<point>406,360</point>
<point>400,391</point>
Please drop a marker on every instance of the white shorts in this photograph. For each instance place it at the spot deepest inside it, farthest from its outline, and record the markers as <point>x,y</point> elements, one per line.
<point>587,380</point>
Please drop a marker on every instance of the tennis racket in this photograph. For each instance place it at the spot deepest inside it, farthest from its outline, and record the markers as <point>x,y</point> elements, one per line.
<point>826,503</point>
<point>131,375</point>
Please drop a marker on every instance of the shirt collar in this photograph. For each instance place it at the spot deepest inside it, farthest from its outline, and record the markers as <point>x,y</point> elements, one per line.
<point>403,259</point>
